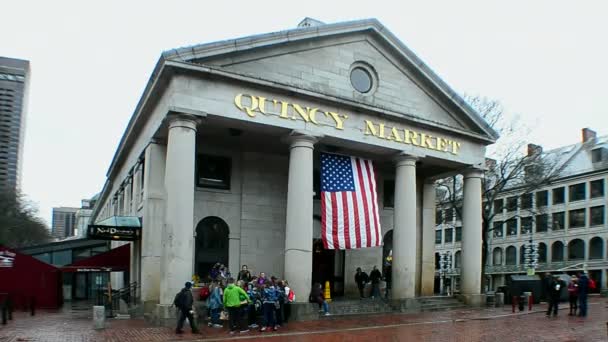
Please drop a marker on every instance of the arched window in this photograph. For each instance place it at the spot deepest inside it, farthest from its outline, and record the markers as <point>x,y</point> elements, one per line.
<point>457,257</point>
<point>522,253</point>
<point>576,250</point>
<point>387,247</point>
<point>437,261</point>
<point>211,245</point>
<point>596,248</point>
<point>497,256</point>
<point>557,251</point>
<point>511,255</point>
<point>542,252</point>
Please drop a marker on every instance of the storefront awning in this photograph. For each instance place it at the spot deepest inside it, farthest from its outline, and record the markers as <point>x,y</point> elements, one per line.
<point>117,259</point>
<point>117,228</point>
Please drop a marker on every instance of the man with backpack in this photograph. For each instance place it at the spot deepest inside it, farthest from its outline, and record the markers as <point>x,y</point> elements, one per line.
<point>183,302</point>
<point>583,292</point>
<point>361,279</point>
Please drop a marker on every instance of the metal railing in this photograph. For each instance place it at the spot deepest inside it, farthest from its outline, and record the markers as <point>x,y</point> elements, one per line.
<point>111,299</point>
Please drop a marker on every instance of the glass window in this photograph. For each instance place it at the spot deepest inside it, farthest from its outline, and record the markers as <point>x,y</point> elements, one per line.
<point>389,193</point>
<point>498,205</point>
<point>542,252</point>
<point>498,229</point>
<point>558,195</point>
<point>577,192</point>
<point>458,234</point>
<point>557,251</point>
<point>512,203</point>
<point>542,223</point>
<point>438,237</point>
<point>449,235</point>
<point>576,218</point>
<point>512,227</point>
<point>449,214</point>
<point>438,216</point>
<point>559,221</point>
<point>511,255</point>
<point>361,80</point>
<point>526,225</point>
<point>597,215</point>
<point>526,201</point>
<point>62,258</point>
<point>542,198</point>
<point>597,188</point>
<point>596,155</point>
<point>213,172</point>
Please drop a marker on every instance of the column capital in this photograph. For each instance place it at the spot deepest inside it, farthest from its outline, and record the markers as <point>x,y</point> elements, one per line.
<point>176,119</point>
<point>472,173</point>
<point>298,138</point>
<point>403,159</point>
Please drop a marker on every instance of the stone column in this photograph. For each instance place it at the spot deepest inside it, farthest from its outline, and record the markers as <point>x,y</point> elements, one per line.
<point>405,232</point>
<point>298,228</point>
<point>604,280</point>
<point>153,220</point>
<point>471,239</point>
<point>428,239</point>
<point>178,236</point>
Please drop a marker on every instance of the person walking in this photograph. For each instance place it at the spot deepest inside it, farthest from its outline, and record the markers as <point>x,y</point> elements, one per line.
<point>215,305</point>
<point>554,294</point>
<point>183,301</point>
<point>234,297</point>
<point>361,279</point>
<point>375,277</point>
<point>316,296</point>
<point>583,292</point>
<point>573,295</point>
<point>388,278</point>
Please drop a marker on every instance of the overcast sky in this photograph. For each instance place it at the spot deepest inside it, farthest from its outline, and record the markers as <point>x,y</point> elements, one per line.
<point>545,61</point>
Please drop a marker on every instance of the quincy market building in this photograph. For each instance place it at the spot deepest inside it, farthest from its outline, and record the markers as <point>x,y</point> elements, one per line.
<point>220,160</point>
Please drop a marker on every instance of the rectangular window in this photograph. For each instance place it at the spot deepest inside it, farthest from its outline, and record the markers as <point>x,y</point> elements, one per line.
<point>438,216</point>
<point>449,214</point>
<point>512,227</point>
<point>542,198</point>
<point>458,234</point>
<point>542,223</point>
<point>597,188</point>
<point>449,235</point>
<point>497,229</point>
<point>512,203</point>
<point>559,221</point>
<point>526,201</point>
<point>438,237</point>
<point>596,155</point>
<point>597,215</point>
<point>576,218</point>
<point>498,206</point>
<point>558,195</point>
<point>526,225</point>
<point>389,193</point>
<point>577,192</point>
<point>213,172</point>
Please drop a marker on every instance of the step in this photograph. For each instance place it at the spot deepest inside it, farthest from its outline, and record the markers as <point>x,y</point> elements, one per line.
<point>122,316</point>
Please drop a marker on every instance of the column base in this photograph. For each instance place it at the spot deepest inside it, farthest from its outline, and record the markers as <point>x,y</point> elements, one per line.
<point>406,305</point>
<point>165,315</point>
<point>476,300</point>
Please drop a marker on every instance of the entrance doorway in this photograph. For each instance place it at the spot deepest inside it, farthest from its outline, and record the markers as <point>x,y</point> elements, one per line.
<point>211,245</point>
<point>328,265</point>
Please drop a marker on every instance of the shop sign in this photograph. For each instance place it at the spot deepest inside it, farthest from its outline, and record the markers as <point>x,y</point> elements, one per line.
<point>7,258</point>
<point>254,105</point>
<point>114,233</point>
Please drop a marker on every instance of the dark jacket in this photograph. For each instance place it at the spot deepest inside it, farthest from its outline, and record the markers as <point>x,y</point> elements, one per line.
<point>555,289</point>
<point>361,278</point>
<point>244,276</point>
<point>185,300</point>
<point>583,285</point>
<point>316,296</point>
<point>375,276</point>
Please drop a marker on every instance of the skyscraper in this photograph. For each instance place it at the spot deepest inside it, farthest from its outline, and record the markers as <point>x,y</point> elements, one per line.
<point>64,222</point>
<point>14,85</point>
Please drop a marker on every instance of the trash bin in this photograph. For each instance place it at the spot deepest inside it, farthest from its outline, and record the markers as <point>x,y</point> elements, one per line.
<point>518,284</point>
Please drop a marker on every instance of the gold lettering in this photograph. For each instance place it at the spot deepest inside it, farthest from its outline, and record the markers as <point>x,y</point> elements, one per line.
<point>381,131</point>
<point>455,147</point>
<point>411,137</point>
<point>312,114</point>
<point>442,144</point>
<point>284,106</point>
<point>337,119</point>
<point>425,141</point>
<point>238,101</point>
<point>370,128</point>
<point>394,135</point>
<point>301,111</point>
<point>262,104</point>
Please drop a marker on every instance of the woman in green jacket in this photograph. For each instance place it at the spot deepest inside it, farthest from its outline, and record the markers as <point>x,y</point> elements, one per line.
<point>234,297</point>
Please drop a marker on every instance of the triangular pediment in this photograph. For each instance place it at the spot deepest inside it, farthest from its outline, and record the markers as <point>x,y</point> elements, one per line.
<point>320,59</point>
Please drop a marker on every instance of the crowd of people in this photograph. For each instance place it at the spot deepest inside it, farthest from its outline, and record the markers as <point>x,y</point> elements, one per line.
<point>578,290</point>
<point>374,277</point>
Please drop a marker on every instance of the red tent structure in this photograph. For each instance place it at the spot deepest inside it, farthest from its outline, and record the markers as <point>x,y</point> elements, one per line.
<point>24,278</point>
<point>117,259</point>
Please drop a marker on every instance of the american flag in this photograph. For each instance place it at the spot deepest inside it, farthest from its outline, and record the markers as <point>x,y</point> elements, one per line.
<point>349,204</point>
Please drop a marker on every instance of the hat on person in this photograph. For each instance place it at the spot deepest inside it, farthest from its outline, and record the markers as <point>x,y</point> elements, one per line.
<point>573,277</point>
<point>188,284</point>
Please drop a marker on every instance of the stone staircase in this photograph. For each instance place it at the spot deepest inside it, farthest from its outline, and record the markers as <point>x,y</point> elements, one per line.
<point>439,303</point>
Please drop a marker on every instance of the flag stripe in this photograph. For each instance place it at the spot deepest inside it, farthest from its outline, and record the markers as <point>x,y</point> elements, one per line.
<point>347,215</point>
<point>324,219</point>
<point>359,178</point>
<point>335,214</point>
<point>372,180</point>
<point>357,220</point>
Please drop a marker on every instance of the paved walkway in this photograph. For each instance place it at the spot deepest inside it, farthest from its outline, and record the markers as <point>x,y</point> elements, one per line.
<point>456,325</point>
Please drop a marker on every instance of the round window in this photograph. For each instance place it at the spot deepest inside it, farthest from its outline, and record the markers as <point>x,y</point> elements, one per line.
<point>361,80</point>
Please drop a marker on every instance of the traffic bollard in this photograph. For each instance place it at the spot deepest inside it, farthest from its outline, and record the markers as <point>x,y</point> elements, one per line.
<point>513,302</point>
<point>530,302</point>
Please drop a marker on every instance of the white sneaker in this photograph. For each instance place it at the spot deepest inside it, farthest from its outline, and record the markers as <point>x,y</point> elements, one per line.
<point>327,314</point>
<point>218,326</point>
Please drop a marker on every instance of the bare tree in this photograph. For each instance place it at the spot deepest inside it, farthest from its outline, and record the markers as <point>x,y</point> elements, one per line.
<point>513,166</point>
<point>20,225</point>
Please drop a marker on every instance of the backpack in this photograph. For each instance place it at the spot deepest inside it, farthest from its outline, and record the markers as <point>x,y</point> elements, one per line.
<point>591,284</point>
<point>292,296</point>
<point>205,292</point>
<point>178,301</point>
